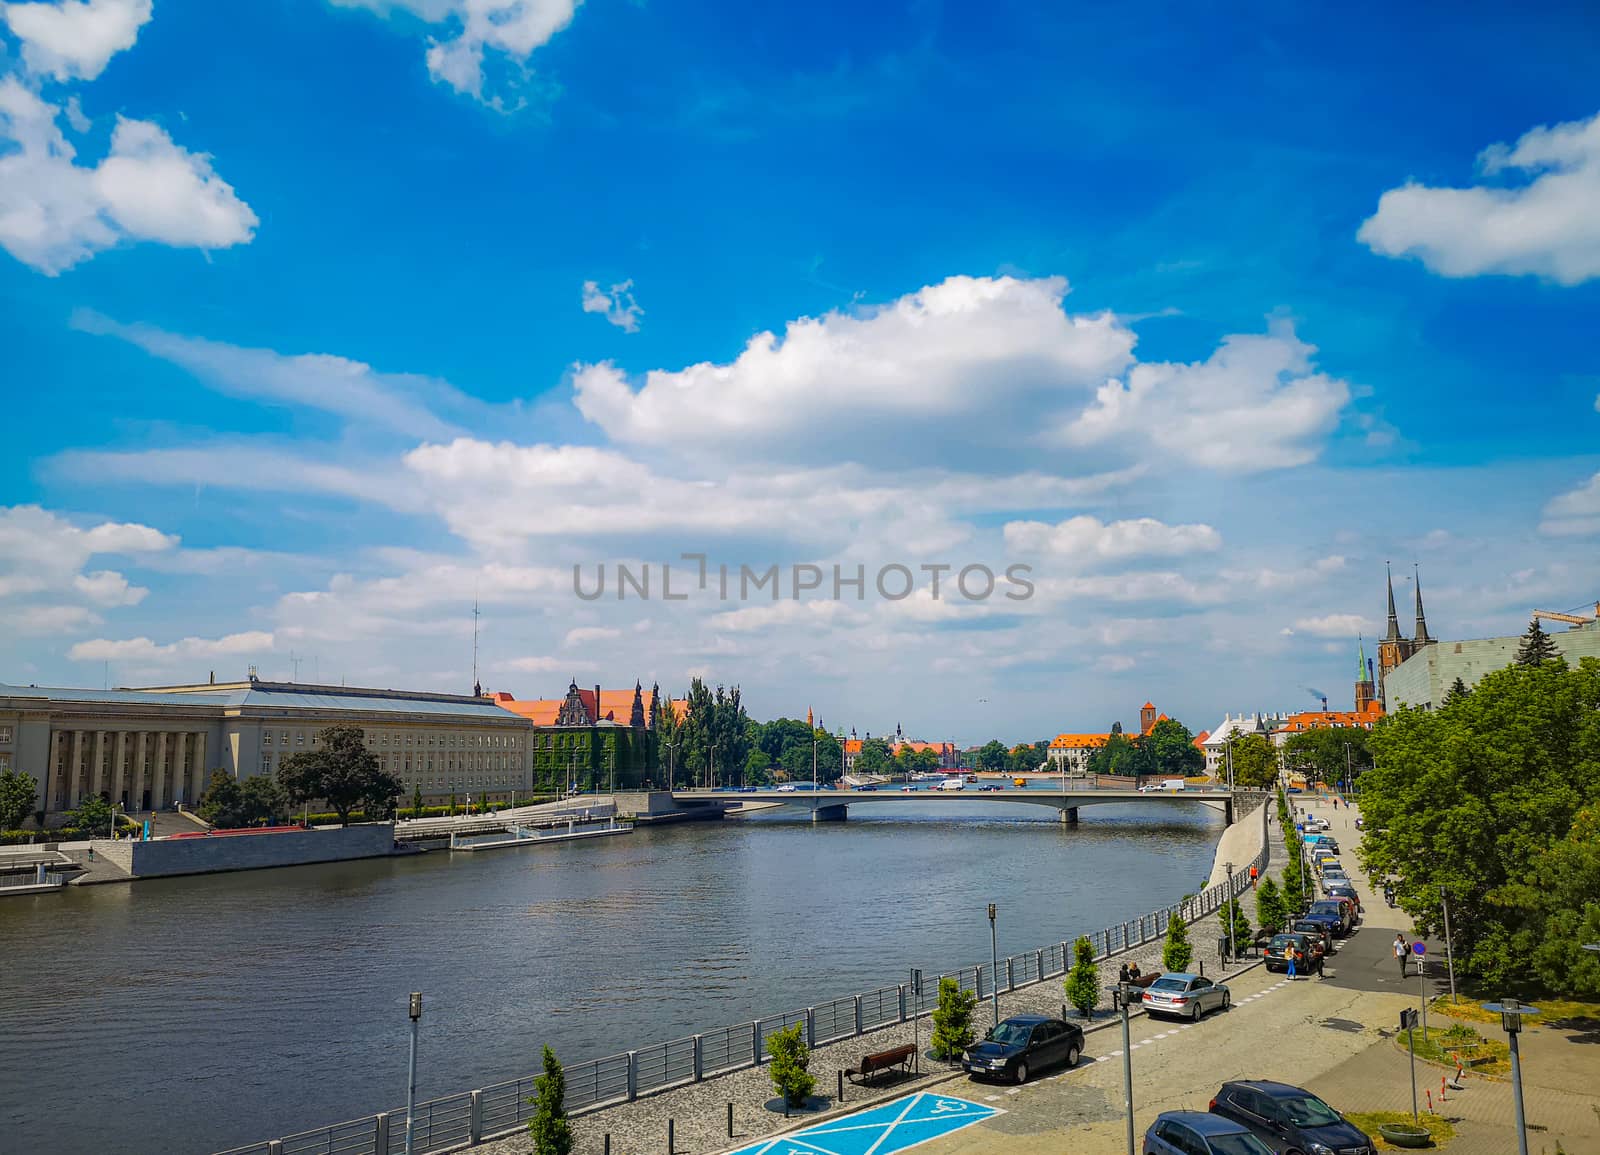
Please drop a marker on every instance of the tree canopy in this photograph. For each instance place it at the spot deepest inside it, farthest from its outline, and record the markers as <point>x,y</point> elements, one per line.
<point>1536,647</point>
<point>1255,762</point>
<point>17,793</point>
<point>1496,800</point>
<point>1173,753</point>
<point>1325,753</point>
<point>341,771</point>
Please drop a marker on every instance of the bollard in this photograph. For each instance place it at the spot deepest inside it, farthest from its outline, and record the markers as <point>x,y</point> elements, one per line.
<point>608,1143</point>
<point>1202,968</point>
<point>841,1086</point>
<point>669,1136</point>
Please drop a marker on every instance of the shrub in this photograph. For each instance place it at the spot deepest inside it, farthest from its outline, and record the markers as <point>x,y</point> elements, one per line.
<point>549,1129</point>
<point>1083,981</point>
<point>1270,911</point>
<point>1241,924</point>
<point>790,1057</point>
<point>1176,954</point>
<point>952,1020</point>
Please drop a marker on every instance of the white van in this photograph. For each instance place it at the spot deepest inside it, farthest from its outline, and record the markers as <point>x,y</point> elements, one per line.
<point>953,784</point>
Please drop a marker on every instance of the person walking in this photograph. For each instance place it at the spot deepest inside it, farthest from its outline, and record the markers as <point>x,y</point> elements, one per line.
<point>1400,952</point>
<point>1293,954</point>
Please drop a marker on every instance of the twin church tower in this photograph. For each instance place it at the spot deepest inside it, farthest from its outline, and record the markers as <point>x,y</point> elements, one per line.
<point>1392,650</point>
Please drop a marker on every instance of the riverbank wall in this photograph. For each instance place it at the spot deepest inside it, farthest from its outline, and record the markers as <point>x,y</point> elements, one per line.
<point>215,854</point>
<point>631,1095</point>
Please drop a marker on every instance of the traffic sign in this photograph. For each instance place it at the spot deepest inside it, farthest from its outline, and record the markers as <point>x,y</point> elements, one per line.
<point>1418,949</point>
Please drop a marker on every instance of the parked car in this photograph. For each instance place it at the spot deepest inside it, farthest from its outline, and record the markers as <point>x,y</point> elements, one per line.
<point>1200,1133</point>
<point>1334,912</point>
<point>990,786</point>
<point>866,787</point>
<point>1016,1047</point>
<point>1288,1119</point>
<point>1352,907</point>
<point>1282,946</point>
<point>1318,932</point>
<point>1185,995</point>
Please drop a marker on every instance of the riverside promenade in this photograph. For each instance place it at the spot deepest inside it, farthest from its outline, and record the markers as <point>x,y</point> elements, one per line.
<point>699,1111</point>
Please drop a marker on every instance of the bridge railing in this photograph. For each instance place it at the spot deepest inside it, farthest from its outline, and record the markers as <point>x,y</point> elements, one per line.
<point>494,1112</point>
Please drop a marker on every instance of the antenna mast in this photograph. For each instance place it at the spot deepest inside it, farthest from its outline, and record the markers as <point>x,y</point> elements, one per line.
<point>476,689</point>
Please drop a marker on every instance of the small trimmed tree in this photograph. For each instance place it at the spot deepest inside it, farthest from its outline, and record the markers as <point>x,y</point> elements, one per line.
<point>1241,924</point>
<point>1270,910</point>
<point>1176,952</point>
<point>1083,980</point>
<point>220,805</point>
<point>790,1058</point>
<point>549,1128</point>
<point>416,802</point>
<point>91,815</point>
<point>17,791</point>
<point>952,1020</point>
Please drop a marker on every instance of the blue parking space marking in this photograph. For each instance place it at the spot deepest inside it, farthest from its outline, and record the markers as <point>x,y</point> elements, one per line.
<point>895,1126</point>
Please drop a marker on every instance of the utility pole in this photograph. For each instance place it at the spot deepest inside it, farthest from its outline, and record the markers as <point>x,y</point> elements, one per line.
<point>1449,949</point>
<point>994,968</point>
<point>475,648</point>
<point>1124,994</point>
<point>411,1082</point>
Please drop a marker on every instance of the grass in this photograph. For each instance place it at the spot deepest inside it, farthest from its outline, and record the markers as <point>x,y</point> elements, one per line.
<point>1550,1010</point>
<point>1439,1128</point>
<point>1441,1044</point>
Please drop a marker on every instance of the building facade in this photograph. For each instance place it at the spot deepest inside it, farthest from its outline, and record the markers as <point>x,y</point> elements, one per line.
<point>596,740</point>
<point>1395,650</point>
<point>156,748</point>
<point>1425,677</point>
<point>1070,753</point>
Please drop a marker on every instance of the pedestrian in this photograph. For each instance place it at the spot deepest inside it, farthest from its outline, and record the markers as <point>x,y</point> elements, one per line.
<point>1253,875</point>
<point>1400,953</point>
<point>1133,972</point>
<point>1124,975</point>
<point>1293,954</point>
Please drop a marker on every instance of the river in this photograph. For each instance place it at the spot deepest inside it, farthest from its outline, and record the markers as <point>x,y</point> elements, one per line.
<point>192,1014</point>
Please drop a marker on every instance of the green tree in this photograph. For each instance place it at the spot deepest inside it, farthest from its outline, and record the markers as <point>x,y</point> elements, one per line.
<point>952,1020</point>
<point>92,815</point>
<point>994,756</point>
<point>1478,799</point>
<point>549,1128</point>
<point>1173,753</point>
<point>262,801</point>
<point>1083,980</point>
<point>1255,763</point>
<point>416,802</point>
<point>1176,952</point>
<point>790,1058</point>
<point>17,794</point>
<point>1241,924</point>
<point>874,757</point>
<point>341,771</point>
<point>1457,691</point>
<point>1562,897</point>
<point>221,804</point>
<point>1270,911</point>
<point>758,767</point>
<point>1122,755</point>
<point>1327,754</point>
<point>1536,648</point>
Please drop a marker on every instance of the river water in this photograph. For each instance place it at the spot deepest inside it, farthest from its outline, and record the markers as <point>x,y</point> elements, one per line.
<point>193,1014</point>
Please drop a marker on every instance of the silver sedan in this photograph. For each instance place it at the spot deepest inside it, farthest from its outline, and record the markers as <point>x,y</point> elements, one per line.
<point>1185,996</point>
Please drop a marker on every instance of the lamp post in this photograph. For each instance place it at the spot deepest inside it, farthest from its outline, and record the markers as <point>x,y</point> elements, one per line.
<point>1232,914</point>
<point>994,968</point>
<point>1511,1012</point>
<point>411,1080</point>
<point>1121,996</point>
<point>1449,949</point>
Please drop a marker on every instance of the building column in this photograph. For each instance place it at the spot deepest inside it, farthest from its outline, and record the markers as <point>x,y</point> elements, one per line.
<point>75,770</point>
<point>58,742</point>
<point>97,775</point>
<point>159,792</point>
<point>141,771</point>
<point>197,777</point>
<point>119,759</point>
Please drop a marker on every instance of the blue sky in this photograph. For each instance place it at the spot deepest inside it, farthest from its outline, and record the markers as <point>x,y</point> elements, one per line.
<point>1202,314</point>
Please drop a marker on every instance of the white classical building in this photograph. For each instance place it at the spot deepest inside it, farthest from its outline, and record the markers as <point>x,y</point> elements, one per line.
<point>153,748</point>
<point>1231,729</point>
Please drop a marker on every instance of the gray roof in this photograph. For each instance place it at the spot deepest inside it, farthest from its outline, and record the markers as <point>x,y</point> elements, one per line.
<point>312,698</point>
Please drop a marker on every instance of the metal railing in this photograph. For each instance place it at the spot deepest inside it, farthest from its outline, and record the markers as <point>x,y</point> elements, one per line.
<point>473,1117</point>
<point>51,878</point>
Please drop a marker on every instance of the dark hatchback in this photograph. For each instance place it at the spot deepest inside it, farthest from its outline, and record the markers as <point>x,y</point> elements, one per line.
<point>1276,955</point>
<point>1200,1133</point>
<point>1288,1119</point>
<point>1332,912</point>
<point>1022,1044</point>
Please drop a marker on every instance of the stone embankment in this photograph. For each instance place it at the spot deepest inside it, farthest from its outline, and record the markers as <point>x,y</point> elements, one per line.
<point>699,1111</point>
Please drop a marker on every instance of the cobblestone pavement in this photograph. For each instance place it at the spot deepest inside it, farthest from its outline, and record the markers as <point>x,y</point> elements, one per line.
<point>699,1111</point>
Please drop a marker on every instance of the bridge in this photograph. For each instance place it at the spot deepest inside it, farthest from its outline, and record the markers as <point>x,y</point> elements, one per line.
<point>833,805</point>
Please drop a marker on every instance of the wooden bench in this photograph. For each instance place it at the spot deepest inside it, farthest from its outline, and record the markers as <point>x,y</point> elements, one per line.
<point>873,1065</point>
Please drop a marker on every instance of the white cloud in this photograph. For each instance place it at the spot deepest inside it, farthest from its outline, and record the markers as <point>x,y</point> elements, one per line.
<point>1548,227</point>
<point>55,212</point>
<point>46,621</point>
<point>142,649</point>
<point>581,634</point>
<point>1088,539</point>
<point>1333,625</point>
<point>108,588</point>
<point>513,28</point>
<point>616,305</point>
<point>74,39</point>
<point>1254,404</point>
<point>1575,513</point>
<point>981,353</point>
<point>403,403</point>
<point>543,665</point>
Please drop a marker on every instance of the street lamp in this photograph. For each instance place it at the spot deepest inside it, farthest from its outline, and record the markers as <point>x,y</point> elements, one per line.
<point>1449,949</point>
<point>994,968</point>
<point>1232,913</point>
<point>411,1081</point>
<point>1121,996</point>
<point>1511,1012</point>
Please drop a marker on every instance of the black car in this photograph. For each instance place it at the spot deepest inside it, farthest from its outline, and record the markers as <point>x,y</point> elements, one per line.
<point>1022,1044</point>
<point>1282,947</point>
<point>1290,1120</point>
<point>1314,930</point>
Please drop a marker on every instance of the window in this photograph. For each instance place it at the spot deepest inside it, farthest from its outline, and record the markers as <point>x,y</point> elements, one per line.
<point>5,763</point>
<point>299,737</point>
<point>266,737</point>
<point>5,735</point>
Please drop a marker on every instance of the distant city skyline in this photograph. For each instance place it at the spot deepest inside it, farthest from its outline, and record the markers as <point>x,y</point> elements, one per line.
<point>389,312</point>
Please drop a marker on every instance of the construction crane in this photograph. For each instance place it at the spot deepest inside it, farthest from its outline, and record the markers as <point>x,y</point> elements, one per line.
<point>1574,620</point>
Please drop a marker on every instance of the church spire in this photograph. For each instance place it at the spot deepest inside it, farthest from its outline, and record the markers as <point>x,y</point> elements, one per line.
<point>1422,637</point>
<point>1361,660</point>
<point>1394,621</point>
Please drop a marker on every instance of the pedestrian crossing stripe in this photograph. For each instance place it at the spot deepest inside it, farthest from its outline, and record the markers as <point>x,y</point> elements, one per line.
<point>895,1126</point>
